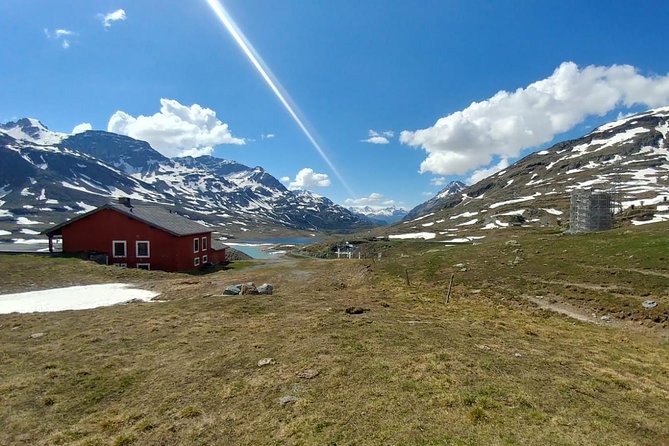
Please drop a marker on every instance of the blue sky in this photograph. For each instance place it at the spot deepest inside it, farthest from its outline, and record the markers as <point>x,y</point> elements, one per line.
<point>350,67</point>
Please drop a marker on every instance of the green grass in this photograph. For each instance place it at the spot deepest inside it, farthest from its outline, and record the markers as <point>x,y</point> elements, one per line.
<point>488,368</point>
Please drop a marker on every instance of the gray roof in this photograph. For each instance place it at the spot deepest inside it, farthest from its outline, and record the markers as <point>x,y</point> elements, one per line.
<point>217,245</point>
<point>154,215</point>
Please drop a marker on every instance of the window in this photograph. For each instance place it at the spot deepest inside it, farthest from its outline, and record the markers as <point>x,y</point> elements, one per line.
<point>205,260</point>
<point>146,266</point>
<point>143,249</point>
<point>124,265</point>
<point>204,244</point>
<point>196,261</point>
<point>119,248</point>
<point>196,244</point>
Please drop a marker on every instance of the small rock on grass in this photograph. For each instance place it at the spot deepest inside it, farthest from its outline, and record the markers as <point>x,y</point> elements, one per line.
<point>355,310</point>
<point>288,399</point>
<point>266,361</point>
<point>37,335</point>
<point>307,374</point>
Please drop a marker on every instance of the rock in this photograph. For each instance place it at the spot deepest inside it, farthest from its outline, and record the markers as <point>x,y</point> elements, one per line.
<point>517,355</point>
<point>266,361</point>
<point>232,290</point>
<point>288,399</point>
<point>649,304</point>
<point>517,260</point>
<point>354,310</point>
<point>248,289</point>
<point>37,335</point>
<point>606,318</point>
<point>459,265</point>
<point>511,243</point>
<point>266,288</point>
<point>307,373</point>
<point>463,270</point>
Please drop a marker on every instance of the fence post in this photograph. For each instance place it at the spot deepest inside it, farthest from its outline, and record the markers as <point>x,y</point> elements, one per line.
<point>450,285</point>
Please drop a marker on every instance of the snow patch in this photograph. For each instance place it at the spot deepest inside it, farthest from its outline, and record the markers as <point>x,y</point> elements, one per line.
<point>72,298</point>
<point>415,235</point>
<point>27,221</point>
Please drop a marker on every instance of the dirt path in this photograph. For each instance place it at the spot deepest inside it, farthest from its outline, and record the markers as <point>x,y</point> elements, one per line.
<point>568,310</point>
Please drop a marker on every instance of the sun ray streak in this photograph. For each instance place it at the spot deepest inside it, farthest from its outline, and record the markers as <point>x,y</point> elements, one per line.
<point>272,82</point>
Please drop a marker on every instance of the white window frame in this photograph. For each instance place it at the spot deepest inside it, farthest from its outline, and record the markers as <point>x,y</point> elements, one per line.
<point>148,266</point>
<point>125,249</point>
<point>204,244</point>
<point>205,260</point>
<point>196,245</point>
<point>148,249</point>
<point>196,261</point>
<point>122,265</point>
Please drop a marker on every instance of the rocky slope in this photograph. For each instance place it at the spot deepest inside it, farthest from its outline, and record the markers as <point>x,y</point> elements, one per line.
<point>47,177</point>
<point>628,157</point>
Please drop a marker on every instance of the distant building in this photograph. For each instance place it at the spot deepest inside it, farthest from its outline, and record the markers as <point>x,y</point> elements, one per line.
<point>139,236</point>
<point>590,211</point>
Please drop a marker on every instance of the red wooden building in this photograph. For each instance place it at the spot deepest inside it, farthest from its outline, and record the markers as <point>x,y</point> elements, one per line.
<point>139,236</point>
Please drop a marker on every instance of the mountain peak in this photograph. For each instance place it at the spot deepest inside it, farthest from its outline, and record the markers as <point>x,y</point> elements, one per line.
<point>32,130</point>
<point>451,188</point>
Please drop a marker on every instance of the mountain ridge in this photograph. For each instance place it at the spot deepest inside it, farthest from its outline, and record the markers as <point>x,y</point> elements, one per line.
<point>627,157</point>
<point>47,177</point>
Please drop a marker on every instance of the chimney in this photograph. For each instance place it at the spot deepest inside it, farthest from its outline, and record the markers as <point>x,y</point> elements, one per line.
<point>125,201</point>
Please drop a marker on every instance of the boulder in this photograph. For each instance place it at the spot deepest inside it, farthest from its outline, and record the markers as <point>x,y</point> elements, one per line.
<point>266,288</point>
<point>248,288</point>
<point>232,290</point>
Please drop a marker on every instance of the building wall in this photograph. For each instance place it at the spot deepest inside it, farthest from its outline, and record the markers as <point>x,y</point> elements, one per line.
<point>96,233</point>
<point>217,257</point>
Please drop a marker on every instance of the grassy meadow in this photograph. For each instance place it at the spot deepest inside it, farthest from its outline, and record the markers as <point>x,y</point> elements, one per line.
<point>519,355</point>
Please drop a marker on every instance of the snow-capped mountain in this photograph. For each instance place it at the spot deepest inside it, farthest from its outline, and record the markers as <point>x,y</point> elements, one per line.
<point>47,177</point>
<point>452,188</point>
<point>628,158</point>
<point>381,216</point>
<point>30,129</point>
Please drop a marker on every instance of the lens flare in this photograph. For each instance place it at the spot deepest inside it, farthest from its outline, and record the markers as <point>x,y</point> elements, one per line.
<point>273,83</point>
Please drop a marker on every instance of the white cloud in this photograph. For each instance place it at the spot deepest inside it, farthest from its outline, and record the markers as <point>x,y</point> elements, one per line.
<point>61,35</point>
<point>284,179</point>
<point>509,122</point>
<point>480,174</point>
<point>267,136</point>
<point>374,199</point>
<point>428,194</point>
<point>307,178</point>
<point>108,19</point>
<point>176,129</point>
<point>438,181</point>
<point>379,137</point>
<point>81,128</point>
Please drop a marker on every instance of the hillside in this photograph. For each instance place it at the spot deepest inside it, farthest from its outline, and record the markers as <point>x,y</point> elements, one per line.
<point>498,364</point>
<point>47,177</point>
<point>628,157</point>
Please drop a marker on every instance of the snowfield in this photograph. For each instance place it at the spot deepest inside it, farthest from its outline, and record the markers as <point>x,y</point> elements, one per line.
<point>72,298</point>
<point>415,235</point>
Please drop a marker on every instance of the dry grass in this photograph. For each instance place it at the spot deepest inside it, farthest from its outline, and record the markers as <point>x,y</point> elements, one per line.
<point>484,369</point>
